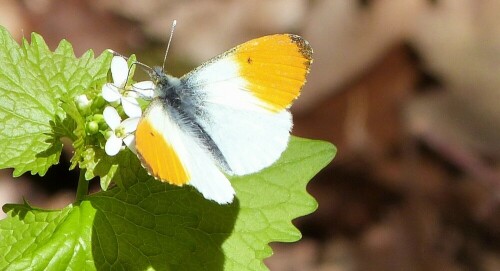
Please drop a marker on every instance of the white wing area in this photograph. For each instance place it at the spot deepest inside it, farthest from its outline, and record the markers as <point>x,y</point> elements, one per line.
<point>204,174</point>
<point>250,136</point>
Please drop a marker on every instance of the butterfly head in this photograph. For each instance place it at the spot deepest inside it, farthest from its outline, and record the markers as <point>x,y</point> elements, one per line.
<point>164,83</point>
<point>158,76</point>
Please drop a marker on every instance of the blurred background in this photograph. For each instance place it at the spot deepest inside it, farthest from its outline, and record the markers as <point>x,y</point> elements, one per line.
<point>408,91</point>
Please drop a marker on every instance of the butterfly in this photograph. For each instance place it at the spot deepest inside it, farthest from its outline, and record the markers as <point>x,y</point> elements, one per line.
<point>227,117</point>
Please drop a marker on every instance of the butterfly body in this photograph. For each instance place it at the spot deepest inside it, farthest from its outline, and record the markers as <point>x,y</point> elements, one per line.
<point>227,117</point>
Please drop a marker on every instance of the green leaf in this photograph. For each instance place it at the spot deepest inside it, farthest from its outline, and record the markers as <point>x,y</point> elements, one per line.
<point>270,200</point>
<point>148,224</point>
<point>32,81</point>
<point>33,239</point>
<point>108,168</point>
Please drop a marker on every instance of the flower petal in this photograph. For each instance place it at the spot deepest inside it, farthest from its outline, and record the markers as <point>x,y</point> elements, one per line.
<point>131,93</point>
<point>113,145</point>
<point>130,125</point>
<point>119,71</point>
<point>131,107</point>
<point>146,89</point>
<point>111,117</point>
<point>110,93</point>
<point>130,142</point>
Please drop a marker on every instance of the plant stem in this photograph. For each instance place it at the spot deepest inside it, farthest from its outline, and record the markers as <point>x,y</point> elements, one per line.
<point>83,187</point>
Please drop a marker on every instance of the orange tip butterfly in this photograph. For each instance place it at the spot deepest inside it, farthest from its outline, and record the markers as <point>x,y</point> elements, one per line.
<point>227,117</point>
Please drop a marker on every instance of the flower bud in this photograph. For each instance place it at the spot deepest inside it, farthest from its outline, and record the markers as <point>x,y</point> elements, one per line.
<point>92,127</point>
<point>82,103</point>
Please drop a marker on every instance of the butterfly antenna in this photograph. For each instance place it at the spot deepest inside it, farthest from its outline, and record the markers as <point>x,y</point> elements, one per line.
<point>168,44</point>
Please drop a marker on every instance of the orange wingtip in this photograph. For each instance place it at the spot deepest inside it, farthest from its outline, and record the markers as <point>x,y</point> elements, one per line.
<point>158,156</point>
<point>275,68</point>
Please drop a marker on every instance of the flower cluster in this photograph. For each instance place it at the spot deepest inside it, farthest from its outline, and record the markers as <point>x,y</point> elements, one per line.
<point>118,93</point>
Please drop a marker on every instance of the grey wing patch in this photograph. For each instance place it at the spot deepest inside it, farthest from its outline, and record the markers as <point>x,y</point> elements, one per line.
<point>186,106</point>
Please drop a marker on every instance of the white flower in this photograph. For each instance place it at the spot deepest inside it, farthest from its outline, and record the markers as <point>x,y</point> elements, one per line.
<point>116,91</point>
<point>122,131</point>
